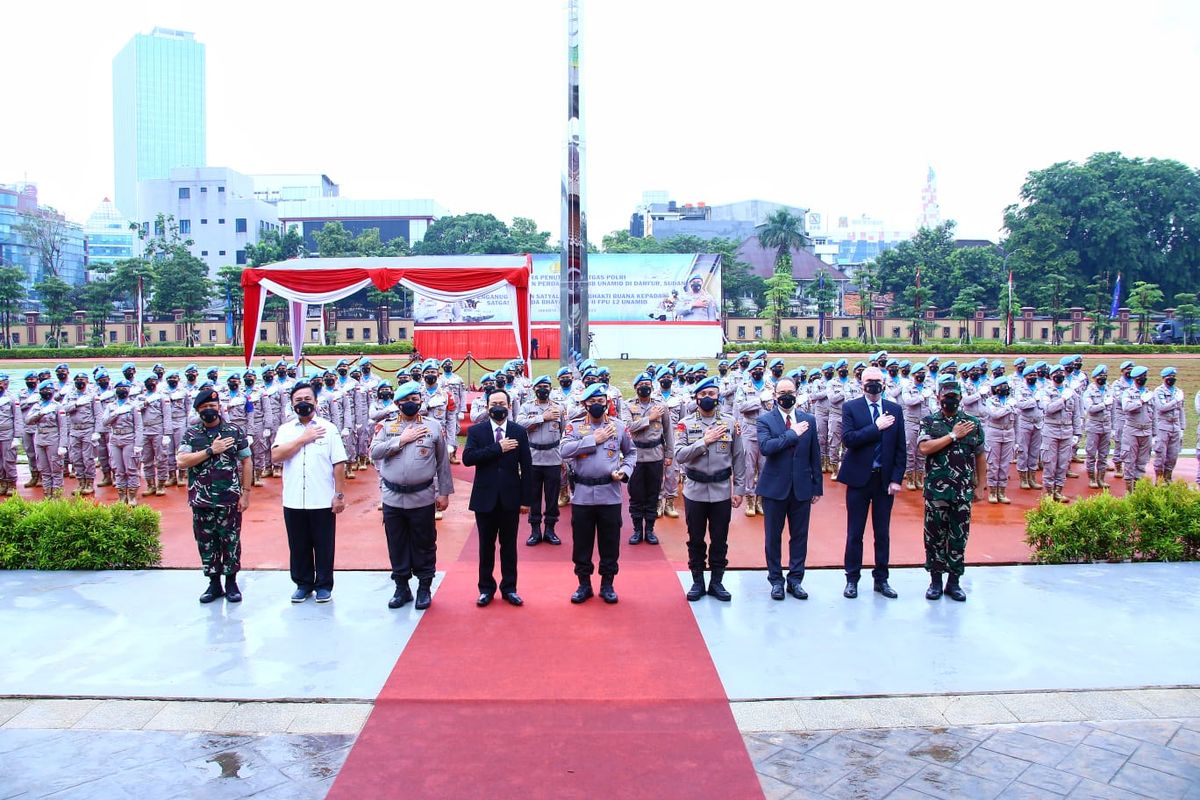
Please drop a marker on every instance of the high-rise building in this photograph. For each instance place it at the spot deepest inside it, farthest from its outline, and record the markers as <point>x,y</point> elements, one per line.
<point>931,212</point>
<point>158,110</point>
<point>107,237</point>
<point>54,248</point>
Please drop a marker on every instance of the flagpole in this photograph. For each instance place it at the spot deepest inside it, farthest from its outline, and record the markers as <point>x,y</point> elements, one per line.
<point>140,327</point>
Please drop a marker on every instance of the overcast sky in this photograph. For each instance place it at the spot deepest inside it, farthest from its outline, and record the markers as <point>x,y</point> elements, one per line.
<point>837,106</point>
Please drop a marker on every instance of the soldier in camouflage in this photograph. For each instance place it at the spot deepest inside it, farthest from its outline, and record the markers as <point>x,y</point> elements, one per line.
<point>217,457</point>
<point>952,445</point>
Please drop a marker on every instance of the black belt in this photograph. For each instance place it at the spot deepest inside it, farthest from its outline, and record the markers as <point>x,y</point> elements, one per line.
<point>602,481</point>
<point>410,488</point>
<point>551,446</point>
<point>648,445</point>
<point>708,477</point>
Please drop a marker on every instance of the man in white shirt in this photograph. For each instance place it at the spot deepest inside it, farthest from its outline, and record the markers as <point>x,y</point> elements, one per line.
<point>313,457</point>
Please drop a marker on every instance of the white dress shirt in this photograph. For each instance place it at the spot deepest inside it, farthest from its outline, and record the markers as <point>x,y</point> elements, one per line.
<point>308,475</point>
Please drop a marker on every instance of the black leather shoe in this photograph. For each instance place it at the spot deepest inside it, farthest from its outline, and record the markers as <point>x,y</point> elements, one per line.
<point>213,592</point>
<point>717,590</point>
<point>651,538</point>
<point>797,590</point>
<point>851,590</point>
<point>232,593</point>
<point>885,589</point>
<point>533,539</point>
<point>635,537</point>
<point>776,591</point>
<point>582,593</point>
<point>551,537</point>
<point>607,593</point>
<point>300,595</point>
<point>424,598</point>
<point>934,592</point>
<point>954,591</point>
<point>697,591</point>
<point>402,597</point>
<point>484,599</point>
<point>512,598</point>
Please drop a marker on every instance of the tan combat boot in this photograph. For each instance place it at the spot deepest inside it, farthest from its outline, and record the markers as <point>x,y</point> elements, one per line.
<point>749,512</point>
<point>149,490</point>
<point>1101,479</point>
<point>349,471</point>
<point>1024,476</point>
<point>454,458</point>
<point>921,480</point>
<point>1120,473</point>
<point>257,479</point>
<point>159,491</point>
<point>1033,481</point>
<point>1092,482</point>
<point>182,479</point>
<point>670,509</point>
<point>131,498</point>
<point>1059,496</point>
<point>105,478</point>
<point>992,498</point>
<point>172,479</point>
<point>1169,475</point>
<point>1001,496</point>
<point>89,486</point>
<point>564,496</point>
<point>661,508</point>
<point>35,479</point>
<point>121,495</point>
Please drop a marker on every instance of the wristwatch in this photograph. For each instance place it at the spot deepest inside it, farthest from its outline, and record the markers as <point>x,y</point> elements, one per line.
<point>339,496</point>
<point>953,436</point>
<point>209,450</point>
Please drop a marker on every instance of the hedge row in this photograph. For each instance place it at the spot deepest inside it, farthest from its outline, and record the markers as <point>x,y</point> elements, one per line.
<point>977,348</point>
<point>203,351</point>
<point>1153,523</point>
<point>77,534</point>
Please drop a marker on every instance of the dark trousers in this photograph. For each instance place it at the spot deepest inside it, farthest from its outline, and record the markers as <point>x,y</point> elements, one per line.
<point>875,497</point>
<point>547,482</point>
<point>310,533</point>
<point>795,513</point>
<point>644,486</point>
<point>411,542</point>
<point>596,527</point>
<point>493,525</point>
<point>713,518</point>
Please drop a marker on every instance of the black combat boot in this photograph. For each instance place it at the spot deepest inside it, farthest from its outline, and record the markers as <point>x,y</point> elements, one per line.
<point>535,536</point>
<point>953,590</point>
<point>650,537</point>
<point>636,536</point>
<point>551,537</point>
<point>584,591</point>
<point>214,590</point>
<point>934,592</point>
<point>607,593</point>
<point>424,596</point>
<point>402,597</point>
<point>697,591</point>
<point>232,593</point>
<point>716,589</point>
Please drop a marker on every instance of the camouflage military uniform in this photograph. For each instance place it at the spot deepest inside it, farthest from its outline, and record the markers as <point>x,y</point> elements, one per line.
<point>949,489</point>
<point>214,489</point>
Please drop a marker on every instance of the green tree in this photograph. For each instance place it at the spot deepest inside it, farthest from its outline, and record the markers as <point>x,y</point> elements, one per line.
<point>1187,311</point>
<point>334,241</point>
<point>466,234</point>
<point>55,296</point>
<point>624,242</point>
<point>273,246</point>
<point>783,232</point>
<point>867,278</point>
<point>45,232</point>
<point>227,288</point>
<point>1054,291</point>
<point>12,295</point>
<point>1143,298</point>
<point>963,309</point>
<point>780,291</point>
<point>96,298</point>
<point>1098,295</point>
<point>526,238</point>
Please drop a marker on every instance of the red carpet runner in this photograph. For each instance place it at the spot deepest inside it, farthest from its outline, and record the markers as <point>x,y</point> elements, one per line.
<point>552,700</point>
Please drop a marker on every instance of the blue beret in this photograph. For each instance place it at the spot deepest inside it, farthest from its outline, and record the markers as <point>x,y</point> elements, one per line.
<point>892,361</point>
<point>904,363</point>
<point>919,367</point>
<point>3,376</point>
<point>776,362</point>
<point>860,365</point>
<point>701,367</point>
<point>62,366</point>
<point>1057,368</point>
<point>587,362</point>
<point>1138,372</point>
<point>723,363</point>
<point>841,362</point>
<point>121,384</point>
<point>1126,365</point>
<point>563,371</point>
<point>1040,364</point>
<point>663,372</point>
<point>212,369</point>
<point>445,361</point>
<point>45,385</point>
<point>948,364</point>
<point>248,372</point>
<point>997,364</point>
<point>756,364</point>
<point>158,366</point>
<point>643,376</point>
<point>1001,381</point>
<point>82,374</point>
<point>30,374</point>
<point>1101,369</point>
<point>282,363</point>
<point>1019,360</point>
<point>707,383</point>
<point>1167,372</point>
<point>128,365</point>
<point>238,375</point>
<point>101,373</point>
<point>827,365</point>
<point>760,354</point>
<point>595,390</point>
<point>190,368</point>
<point>602,371</point>
<point>590,373</point>
<point>342,362</point>
<point>487,376</point>
<point>408,388</point>
<point>175,374</point>
<point>879,355</point>
<point>540,379</point>
<point>1066,360</point>
<point>794,374</point>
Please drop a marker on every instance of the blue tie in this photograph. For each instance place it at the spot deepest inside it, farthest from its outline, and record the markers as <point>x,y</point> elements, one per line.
<point>878,445</point>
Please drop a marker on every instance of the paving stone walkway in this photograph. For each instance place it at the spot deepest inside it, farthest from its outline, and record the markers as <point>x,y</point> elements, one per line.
<point>1121,760</point>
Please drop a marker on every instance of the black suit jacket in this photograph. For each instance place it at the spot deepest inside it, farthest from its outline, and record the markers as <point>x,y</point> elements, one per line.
<point>503,481</point>
<point>860,435</point>
<point>792,463</point>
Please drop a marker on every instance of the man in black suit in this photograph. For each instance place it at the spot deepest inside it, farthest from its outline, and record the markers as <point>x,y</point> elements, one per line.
<point>872,470</point>
<point>503,490</point>
<point>789,483</point>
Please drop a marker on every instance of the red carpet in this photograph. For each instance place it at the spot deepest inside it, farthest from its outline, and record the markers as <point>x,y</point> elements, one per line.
<point>553,700</point>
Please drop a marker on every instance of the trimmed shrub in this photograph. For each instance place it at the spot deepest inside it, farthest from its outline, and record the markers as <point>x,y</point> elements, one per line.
<point>1152,523</point>
<point>203,351</point>
<point>77,534</point>
<point>856,346</point>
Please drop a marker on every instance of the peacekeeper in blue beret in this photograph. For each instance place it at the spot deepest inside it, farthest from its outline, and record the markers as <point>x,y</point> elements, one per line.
<point>650,424</point>
<point>708,448</point>
<point>415,483</point>
<point>544,419</point>
<point>601,455</point>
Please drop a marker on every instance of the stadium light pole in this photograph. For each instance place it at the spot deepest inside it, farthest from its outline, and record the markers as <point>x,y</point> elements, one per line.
<point>573,271</point>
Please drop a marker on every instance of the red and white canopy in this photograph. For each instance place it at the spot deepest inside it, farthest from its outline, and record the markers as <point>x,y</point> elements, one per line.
<point>315,281</point>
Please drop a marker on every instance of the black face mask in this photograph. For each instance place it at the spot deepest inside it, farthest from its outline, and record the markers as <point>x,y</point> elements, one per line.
<point>949,404</point>
<point>542,394</point>
<point>1031,382</point>
<point>329,382</point>
<point>1058,377</point>
<point>597,410</point>
<point>80,385</point>
<point>233,387</point>
<point>386,397</point>
<point>723,370</point>
<point>268,378</point>
<point>498,413</point>
<point>1101,380</point>
<point>122,393</point>
<point>209,415</point>
<point>191,377</point>
<point>316,388</point>
<point>707,404</point>
<point>249,382</point>
<point>757,374</point>
<point>31,384</point>
<point>919,377</point>
<point>409,408</point>
<point>1140,382</point>
<point>1002,391</point>
<point>281,373</point>
<point>501,383</point>
<point>873,387</point>
<point>666,385</point>
<point>103,382</point>
<point>342,372</point>
<point>828,374</point>
<point>173,384</point>
<point>291,373</point>
<point>46,395</point>
<point>151,386</point>
<point>643,391</point>
<point>777,372</point>
<point>893,372</point>
<point>304,409</point>
<point>565,385</point>
<point>1169,381</point>
<point>431,380</point>
<point>786,400</point>
<point>842,373</point>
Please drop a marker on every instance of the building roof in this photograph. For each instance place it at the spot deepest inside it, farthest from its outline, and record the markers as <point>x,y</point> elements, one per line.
<point>805,265</point>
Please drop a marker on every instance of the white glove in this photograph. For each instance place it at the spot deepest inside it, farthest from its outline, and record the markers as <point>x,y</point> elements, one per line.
<point>166,440</point>
<point>83,401</point>
<point>125,409</point>
<point>266,431</point>
<point>95,437</point>
<point>15,442</point>
<point>137,452</point>
<point>249,439</point>
<point>62,451</point>
<point>766,395</point>
<point>345,431</point>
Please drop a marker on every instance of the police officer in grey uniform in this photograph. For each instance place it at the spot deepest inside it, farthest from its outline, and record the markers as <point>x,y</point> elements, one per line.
<point>544,419</point>
<point>600,452</point>
<point>415,478</point>
<point>709,451</point>
<point>651,426</point>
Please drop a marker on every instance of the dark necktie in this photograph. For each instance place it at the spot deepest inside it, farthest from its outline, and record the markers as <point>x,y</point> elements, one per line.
<point>878,445</point>
<point>499,435</point>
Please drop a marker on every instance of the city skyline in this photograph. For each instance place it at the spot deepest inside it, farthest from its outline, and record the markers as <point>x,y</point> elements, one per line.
<point>468,111</point>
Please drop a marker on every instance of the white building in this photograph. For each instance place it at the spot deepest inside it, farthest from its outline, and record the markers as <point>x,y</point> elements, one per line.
<point>108,238</point>
<point>275,188</point>
<point>213,206</point>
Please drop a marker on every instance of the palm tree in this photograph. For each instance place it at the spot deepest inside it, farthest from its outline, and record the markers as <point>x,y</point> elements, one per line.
<point>782,232</point>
